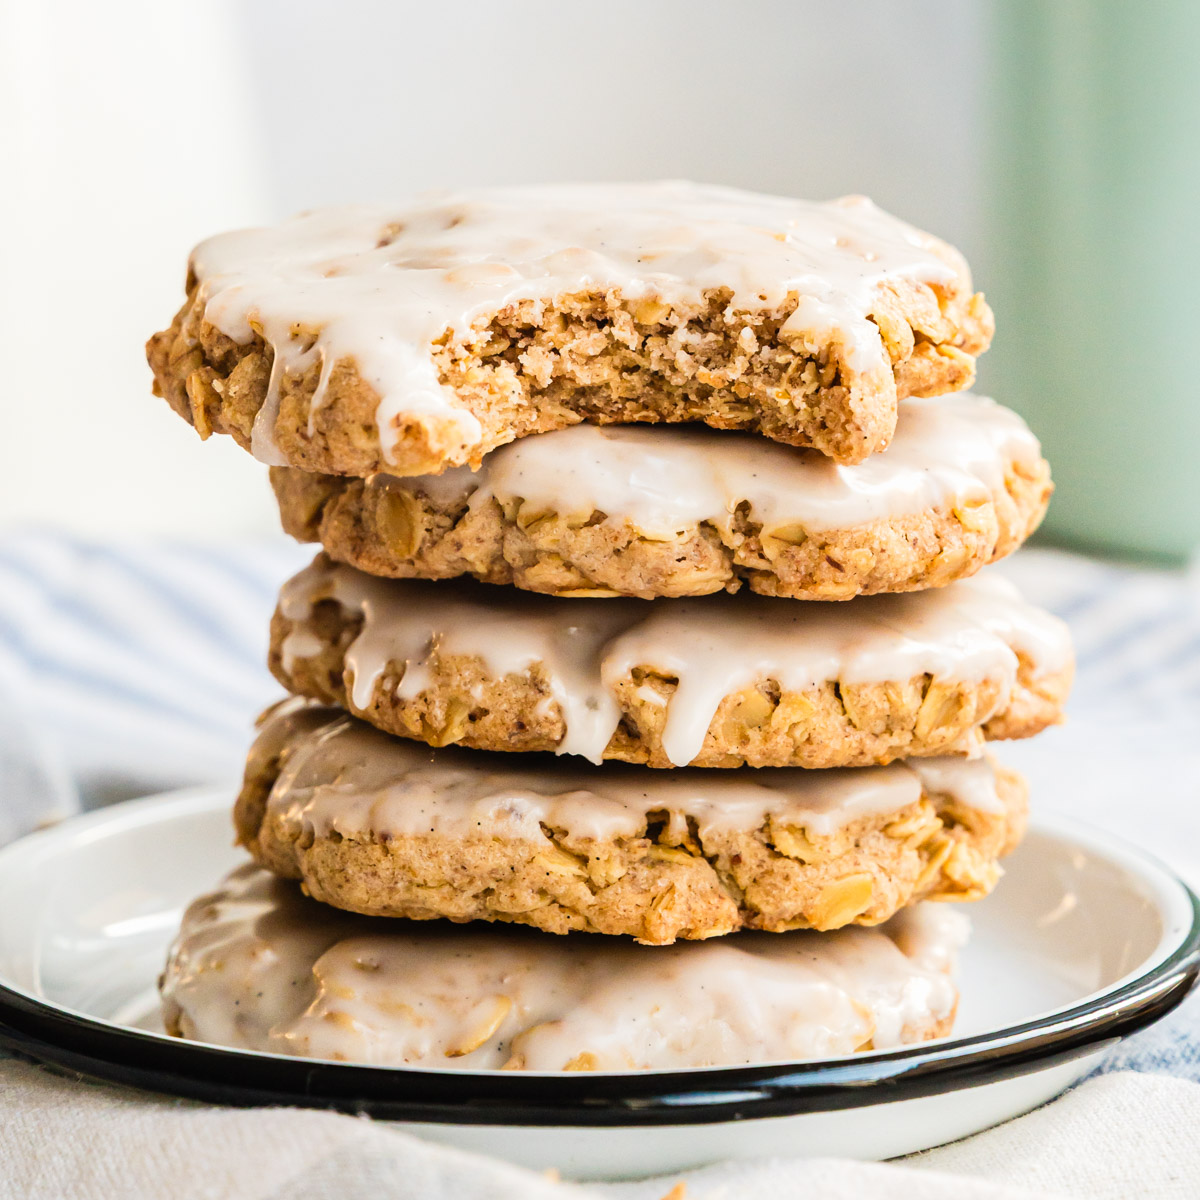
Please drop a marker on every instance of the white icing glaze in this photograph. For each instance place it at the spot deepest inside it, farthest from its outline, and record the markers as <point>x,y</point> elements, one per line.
<point>948,451</point>
<point>343,777</point>
<point>379,285</point>
<point>258,967</point>
<point>958,778</point>
<point>715,646</point>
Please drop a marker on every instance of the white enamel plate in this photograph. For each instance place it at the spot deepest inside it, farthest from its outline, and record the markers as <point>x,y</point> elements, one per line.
<point>1083,942</point>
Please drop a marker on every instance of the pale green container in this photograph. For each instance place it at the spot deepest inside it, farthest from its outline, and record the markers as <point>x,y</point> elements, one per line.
<point>1092,261</point>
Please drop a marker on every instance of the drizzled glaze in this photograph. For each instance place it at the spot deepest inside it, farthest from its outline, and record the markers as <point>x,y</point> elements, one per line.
<point>258,967</point>
<point>379,285</point>
<point>715,646</point>
<point>948,451</point>
<point>343,777</point>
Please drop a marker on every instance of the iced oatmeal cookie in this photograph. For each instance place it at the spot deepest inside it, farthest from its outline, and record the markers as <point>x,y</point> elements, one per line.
<point>635,511</point>
<point>714,681</point>
<point>387,827</point>
<point>256,966</point>
<point>414,339</point>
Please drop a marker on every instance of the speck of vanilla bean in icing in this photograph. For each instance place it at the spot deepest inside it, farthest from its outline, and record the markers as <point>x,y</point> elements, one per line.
<point>379,285</point>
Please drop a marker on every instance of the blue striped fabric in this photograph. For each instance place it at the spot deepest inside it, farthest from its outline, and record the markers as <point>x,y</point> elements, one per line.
<point>133,667</point>
<point>143,665</point>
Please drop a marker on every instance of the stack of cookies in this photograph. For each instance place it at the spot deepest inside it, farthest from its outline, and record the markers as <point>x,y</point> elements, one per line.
<point>646,614</point>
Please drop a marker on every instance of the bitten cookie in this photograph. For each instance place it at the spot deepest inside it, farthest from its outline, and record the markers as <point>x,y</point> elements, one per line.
<point>627,510</point>
<point>258,967</point>
<point>389,828</point>
<point>714,682</point>
<point>410,340</point>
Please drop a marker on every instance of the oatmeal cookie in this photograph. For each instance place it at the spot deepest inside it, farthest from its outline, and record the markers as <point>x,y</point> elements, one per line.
<point>257,966</point>
<point>389,828</point>
<point>716,681</point>
<point>634,511</point>
<point>413,339</point>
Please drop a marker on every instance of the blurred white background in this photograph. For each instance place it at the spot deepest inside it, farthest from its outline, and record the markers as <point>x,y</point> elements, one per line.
<point>133,129</point>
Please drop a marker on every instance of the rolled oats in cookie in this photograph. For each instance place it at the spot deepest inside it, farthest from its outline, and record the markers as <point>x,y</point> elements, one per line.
<point>385,827</point>
<point>256,966</point>
<point>630,510</point>
<point>714,681</point>
<point>416,338</point>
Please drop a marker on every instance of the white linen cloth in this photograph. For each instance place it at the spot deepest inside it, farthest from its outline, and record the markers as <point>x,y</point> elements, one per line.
<point>131,668</point>
<point>1117,1137</point>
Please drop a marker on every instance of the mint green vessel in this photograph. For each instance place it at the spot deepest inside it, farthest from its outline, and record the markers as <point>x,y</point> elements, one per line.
<point>1094,253</point>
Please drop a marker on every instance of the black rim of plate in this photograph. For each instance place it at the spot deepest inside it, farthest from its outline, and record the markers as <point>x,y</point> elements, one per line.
<point>699,1096</point>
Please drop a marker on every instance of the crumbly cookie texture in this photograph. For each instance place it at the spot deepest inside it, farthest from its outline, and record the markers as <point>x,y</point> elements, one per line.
<point>334,803</point>
<point>346,639</point>
<point>352,341</point>
<point>564,545</point>
<point>258,967</point>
